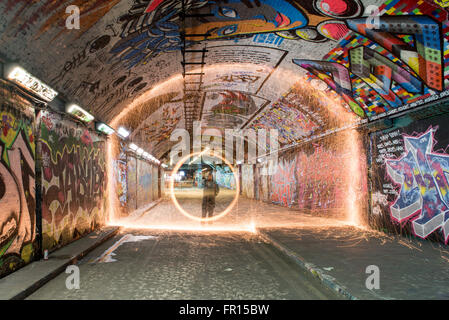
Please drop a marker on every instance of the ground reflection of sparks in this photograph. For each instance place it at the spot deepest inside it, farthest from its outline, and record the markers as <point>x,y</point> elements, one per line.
<point>409,245</point>
<point>244,228</point>
<point>445,257</point>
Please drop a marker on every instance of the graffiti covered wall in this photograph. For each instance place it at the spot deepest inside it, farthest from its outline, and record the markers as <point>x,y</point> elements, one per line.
<point>120,170</point>
<point>321,172</point>
<point>17,185</point>
<point>131,45</point>
<point>155,183</point>
<point>127,47</point>
<point>132,183</point>
<point>399,60</point>
<point>264,188</point>
<point>153,134</point>
<point>225,177</point>
<point>248,181</point>
<point>229,109</point>
<point>73,180</point>
<point>283,183</point>
<point>318,178</point>
<point>142,183</point>
<point>410,178</point>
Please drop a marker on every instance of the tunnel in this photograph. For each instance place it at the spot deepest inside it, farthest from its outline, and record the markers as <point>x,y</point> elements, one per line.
<point>216,150</point>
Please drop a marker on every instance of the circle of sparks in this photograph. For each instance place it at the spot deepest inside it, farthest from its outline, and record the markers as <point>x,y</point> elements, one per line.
<point>184,212</point>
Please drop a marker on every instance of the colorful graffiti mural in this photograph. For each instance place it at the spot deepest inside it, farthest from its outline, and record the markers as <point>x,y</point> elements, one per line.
<point>73,180</point>
<point>17,189</point>
<point>302,112</point>
<point>423,177</point>
<point>225,177</point>
<point>150,28</point>
<point>317,177</point>
<point>375,69</point>
<point>307,20</point>
<point>153,122</point>
<point>398,60</point>
<point>157,129</point>
<point>321,173</point>
<point>283,183</point>
<point>410,172</point>
<point>230,109</point>
<point>120,170</point>
<point>292,125</point>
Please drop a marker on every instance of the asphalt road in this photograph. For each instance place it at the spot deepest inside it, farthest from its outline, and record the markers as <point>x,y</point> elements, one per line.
<point>187,265</point>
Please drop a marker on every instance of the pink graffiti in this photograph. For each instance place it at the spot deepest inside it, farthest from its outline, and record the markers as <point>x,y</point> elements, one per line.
<point>284,184</point>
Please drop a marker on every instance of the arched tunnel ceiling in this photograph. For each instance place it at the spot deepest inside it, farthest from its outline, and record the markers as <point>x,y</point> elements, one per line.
<point>301,66</point>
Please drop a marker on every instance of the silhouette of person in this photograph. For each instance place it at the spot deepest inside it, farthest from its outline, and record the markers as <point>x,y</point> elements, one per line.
<point>210,191</point>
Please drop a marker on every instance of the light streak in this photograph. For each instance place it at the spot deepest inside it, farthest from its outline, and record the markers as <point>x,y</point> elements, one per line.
<point>252,227</point>
<point>111,199</point>
<point>198,156</point>
<point>354,176</point>
<point>129,225</point>
<point>172,187</point>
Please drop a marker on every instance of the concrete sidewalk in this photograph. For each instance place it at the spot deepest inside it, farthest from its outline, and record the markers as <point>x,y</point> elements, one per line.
<point>409,268</point>
<point>28,279</point>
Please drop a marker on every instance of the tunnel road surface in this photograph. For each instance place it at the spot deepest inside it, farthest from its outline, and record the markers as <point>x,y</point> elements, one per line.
<point>154,264</point>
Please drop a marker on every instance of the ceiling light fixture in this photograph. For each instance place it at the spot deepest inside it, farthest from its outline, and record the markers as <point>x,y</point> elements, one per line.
<point>20,76</point>
<point>104,128</point>
<point>122,132</point>
<point>79,113</point>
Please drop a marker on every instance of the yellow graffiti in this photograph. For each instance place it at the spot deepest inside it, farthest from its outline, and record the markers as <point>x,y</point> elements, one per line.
<point>84,155</point>
<point>27,253</point>
<point>442,3</point>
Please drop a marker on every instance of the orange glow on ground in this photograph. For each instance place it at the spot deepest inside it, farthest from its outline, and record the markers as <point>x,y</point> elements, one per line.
<point>248,228</point>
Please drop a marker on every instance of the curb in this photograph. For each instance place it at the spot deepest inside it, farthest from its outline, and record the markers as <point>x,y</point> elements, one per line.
<point>40,283</point>
<point>325,279</point>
